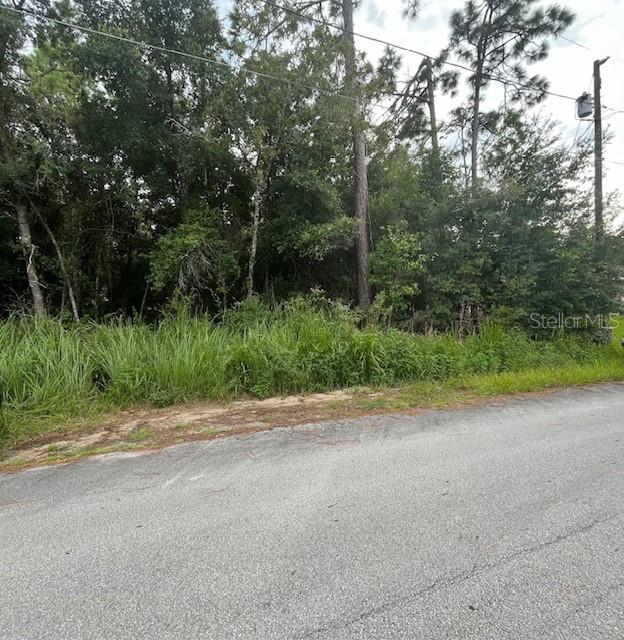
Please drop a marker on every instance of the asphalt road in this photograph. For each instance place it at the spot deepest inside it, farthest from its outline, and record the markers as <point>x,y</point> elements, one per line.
<point>505,521</point>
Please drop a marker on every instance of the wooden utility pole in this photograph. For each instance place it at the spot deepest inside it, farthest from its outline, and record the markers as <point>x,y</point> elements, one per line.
<point>598,219</point>
<point>359,159</point>
<point>432,114</point>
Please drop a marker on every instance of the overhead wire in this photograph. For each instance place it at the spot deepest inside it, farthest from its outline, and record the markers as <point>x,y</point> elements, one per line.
<point>184,54</point>
<point>575,137</point>
<point>394,45</point>
<point>268,76</point>
<point>262,74</point>
<point>582,46</point>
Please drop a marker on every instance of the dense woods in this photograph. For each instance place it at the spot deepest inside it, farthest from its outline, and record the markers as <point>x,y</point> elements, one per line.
<point>188,158</point>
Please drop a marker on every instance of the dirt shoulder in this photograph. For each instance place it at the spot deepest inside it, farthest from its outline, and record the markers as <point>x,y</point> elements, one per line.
<point>156,428</point>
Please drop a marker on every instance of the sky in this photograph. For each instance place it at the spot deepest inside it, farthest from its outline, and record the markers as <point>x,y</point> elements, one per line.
<point>599,26</point>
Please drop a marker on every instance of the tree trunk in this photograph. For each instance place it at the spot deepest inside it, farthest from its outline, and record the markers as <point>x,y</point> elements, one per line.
<point>476,97</point>
<point>462,131</point>
<point>144,299</point>
<point>179,183</point>
<point>359,158</point>
<point>258,195</point>
<point>432,114</point>
<point>474,133</point>
<point>61,259</point>
<point>29,250</point>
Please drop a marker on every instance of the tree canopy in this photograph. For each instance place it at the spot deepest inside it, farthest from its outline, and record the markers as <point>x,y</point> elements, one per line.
<point>153,151</point>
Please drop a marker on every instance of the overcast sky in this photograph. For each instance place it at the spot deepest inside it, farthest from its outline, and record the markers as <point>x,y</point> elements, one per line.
<point>599,25</point>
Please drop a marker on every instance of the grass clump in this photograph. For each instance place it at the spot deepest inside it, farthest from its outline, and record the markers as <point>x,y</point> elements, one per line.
<point>50,372</point>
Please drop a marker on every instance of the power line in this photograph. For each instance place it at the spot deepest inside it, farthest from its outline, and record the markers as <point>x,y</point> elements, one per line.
<point>578,44</point>
<point>584,137</point>
<point>393,45</point>
<point>611,115</point>
<point>578,128</point>
<point>185,54</point>
<point>268,76</point>
<point>578,140</point>
<point>582,46</point>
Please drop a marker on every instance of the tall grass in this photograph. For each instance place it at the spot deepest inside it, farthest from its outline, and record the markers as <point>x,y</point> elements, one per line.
<point>50,372</point>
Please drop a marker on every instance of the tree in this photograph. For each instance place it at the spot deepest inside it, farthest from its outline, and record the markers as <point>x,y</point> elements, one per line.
<point>359,158</point>
<point>397,264</point>
<point>131,174</point>
<point>497,38</point>
<point>540,250</point>
<point>196,257</point>
<point>152,149</point>
<point>17,165</point>
<point>415,106</point>
<point>276,121</point>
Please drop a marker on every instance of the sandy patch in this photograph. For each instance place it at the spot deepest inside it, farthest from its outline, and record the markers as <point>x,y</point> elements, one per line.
<point>149,428</point>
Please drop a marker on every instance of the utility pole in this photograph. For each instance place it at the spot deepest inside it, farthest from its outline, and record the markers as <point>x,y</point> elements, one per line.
<point>598,220</point>
<point>359,159</point>
<point>432,114</point>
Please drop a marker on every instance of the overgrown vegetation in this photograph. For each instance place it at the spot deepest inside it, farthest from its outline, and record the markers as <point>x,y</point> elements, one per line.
<point>131,175</point>
<point>52,372</point>
<point>162,161</point>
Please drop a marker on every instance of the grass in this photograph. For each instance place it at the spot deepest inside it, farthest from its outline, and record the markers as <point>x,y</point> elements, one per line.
<point>52,374</point>
<point>140,435</point>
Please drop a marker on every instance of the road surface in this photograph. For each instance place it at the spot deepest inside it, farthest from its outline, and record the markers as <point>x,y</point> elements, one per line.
<point>504,521</point>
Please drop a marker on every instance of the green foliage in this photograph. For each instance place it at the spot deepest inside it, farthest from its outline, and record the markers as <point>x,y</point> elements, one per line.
<point>50,372</point>
<point>316,241</point>
<point>196,257</point>
<point>145,176</point>
<point>397,264</point>
<point>141,170</point>
<point>499,38</point>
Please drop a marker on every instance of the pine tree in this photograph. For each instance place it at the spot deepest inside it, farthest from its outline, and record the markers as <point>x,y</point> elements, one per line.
<point>498,38</point>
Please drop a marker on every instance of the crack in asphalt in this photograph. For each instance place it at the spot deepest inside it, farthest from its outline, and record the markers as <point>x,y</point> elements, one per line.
<point>475,570</point>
